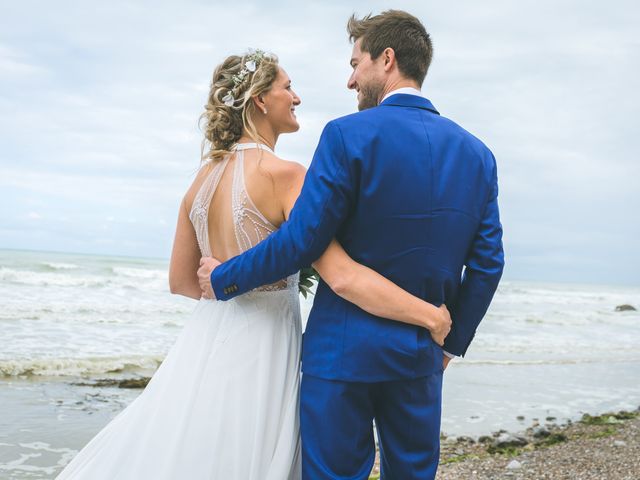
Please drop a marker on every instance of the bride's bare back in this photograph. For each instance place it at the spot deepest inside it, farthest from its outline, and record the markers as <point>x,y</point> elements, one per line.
<point>236,205</point>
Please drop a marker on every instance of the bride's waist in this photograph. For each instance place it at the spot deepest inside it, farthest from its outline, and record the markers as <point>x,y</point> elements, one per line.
<point>261,293</point>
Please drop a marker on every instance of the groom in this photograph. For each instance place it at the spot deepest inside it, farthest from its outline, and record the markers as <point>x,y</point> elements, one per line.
<point>414,196</point>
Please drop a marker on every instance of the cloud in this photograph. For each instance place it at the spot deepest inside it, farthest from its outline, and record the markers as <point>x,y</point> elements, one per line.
<point>99,106</point>
<point>13,64</point>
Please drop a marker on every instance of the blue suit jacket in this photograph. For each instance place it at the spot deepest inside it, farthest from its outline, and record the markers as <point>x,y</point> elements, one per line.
<point>413,196</point>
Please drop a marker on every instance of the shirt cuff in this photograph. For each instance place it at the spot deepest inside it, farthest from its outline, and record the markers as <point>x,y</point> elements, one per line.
<point>450,355</point>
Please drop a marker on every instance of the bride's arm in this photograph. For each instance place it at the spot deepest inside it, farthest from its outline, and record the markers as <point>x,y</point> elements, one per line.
<point>375,294</point>
<point>359,284</point>
<point>185,258</point>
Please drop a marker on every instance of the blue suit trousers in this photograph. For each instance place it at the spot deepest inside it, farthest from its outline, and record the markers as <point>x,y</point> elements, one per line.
<point>337,433</point>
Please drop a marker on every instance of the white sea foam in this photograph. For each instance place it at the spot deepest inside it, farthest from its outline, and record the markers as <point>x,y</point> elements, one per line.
<point>20,464</point>
<point>131,278</point>
<point>144,273</point>
<point>49,279</point>
<point>79,366</point>
<point>549,361</point>
<point>60,266</point>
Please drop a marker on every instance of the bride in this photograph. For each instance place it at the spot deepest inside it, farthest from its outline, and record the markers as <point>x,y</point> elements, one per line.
<point>224,403</point>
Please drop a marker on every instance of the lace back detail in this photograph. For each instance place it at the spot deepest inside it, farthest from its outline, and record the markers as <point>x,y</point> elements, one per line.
<point>251,227</point>
<point>249,224</point>
<point>199,214</point>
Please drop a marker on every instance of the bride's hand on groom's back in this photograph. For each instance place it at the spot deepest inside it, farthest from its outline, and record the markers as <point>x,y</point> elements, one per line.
<point>440,324</point>
<point>207,265</point>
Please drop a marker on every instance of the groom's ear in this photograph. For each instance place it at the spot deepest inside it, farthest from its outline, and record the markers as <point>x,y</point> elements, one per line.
<point>389,58</point>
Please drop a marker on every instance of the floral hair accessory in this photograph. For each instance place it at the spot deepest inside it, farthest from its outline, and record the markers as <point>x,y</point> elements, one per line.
<point>250,65</point>
<point>228,99</point>
<point>253,59</point>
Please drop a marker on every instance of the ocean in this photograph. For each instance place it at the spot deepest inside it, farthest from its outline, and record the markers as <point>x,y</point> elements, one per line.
<point>73,326</point>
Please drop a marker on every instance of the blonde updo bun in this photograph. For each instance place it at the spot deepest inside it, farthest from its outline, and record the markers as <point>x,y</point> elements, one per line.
<point>224,124</point>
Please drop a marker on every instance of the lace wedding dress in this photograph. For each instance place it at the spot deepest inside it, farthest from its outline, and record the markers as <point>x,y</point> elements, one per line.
<point>224,403</point>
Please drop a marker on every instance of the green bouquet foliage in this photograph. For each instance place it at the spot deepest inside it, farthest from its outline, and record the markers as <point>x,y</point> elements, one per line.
<point>308,276</point>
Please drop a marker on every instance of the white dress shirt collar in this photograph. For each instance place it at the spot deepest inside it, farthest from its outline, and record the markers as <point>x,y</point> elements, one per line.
<point>405,90</point>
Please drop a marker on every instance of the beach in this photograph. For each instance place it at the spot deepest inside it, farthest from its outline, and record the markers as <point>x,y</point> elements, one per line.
<point>604,447</point>
<point>81,334</point>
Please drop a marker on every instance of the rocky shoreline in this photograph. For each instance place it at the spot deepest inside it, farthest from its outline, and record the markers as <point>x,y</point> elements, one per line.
<point>603,447</point>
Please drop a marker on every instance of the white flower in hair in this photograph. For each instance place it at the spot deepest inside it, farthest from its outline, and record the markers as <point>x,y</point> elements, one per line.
<point>250,65</point>
<point>228,99</point>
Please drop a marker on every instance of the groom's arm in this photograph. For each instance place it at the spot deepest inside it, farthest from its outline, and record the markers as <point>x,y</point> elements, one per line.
<point>484,266</point>
<point>320,209</point>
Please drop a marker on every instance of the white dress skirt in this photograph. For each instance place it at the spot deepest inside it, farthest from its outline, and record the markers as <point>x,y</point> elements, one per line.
<point>223,404</point>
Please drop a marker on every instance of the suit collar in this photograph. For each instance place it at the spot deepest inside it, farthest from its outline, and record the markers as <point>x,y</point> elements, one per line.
<point>407,100</point>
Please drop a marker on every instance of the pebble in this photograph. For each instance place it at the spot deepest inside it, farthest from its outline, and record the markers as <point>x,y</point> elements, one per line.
<point>541,432</point>
<point>514,465</point>
<point>619,443</point>
<point>465,439</point>
<point>507,440</point>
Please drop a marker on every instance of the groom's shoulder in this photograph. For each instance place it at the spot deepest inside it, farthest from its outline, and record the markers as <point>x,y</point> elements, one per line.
<point>365,120</point>
<point>379,120</point>
<point>455,131</point>
<point>363,116</point>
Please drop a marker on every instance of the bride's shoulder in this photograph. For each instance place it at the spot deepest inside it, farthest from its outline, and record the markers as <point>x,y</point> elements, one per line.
<point>200,176</point>
<point>281,169</point>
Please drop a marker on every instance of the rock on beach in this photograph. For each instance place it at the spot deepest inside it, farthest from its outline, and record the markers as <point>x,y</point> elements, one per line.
<point>626,308</point>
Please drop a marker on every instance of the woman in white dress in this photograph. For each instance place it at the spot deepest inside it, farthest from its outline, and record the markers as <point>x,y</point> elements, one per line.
<point>224,403</point>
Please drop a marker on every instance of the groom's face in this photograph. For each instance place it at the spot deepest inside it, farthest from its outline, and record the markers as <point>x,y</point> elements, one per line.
<point>367,78</point>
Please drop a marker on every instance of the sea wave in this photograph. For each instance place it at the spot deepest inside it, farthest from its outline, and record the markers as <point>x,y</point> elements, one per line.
<point>43,279</point>
<point>547,361</point>
<point>145,273</point>
<point>59,266</point>
<point>129,278</point>
<point>79,366</point>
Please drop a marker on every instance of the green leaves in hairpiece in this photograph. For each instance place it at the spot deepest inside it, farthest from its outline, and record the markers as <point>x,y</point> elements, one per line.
<point>253,59</point>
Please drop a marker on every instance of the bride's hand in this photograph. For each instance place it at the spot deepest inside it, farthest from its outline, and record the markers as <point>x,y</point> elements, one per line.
<point>440,324</point>
<point>207,265</point>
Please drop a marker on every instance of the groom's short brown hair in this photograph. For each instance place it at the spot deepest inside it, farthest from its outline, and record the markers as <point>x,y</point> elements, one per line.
<point>398,30</point>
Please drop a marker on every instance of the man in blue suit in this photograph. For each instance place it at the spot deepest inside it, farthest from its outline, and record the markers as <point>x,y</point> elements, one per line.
<point>412,195</point>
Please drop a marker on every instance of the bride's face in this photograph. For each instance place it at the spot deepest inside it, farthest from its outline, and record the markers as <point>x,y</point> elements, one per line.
<point>280,102</point>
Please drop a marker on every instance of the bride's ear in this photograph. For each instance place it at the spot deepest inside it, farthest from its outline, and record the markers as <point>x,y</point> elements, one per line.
<point>258,102</point>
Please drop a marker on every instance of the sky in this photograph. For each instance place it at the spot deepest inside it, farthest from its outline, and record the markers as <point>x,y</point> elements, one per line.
<point>99,107</point>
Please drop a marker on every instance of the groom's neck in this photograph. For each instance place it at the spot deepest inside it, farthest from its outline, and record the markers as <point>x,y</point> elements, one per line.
<point>395,84</point>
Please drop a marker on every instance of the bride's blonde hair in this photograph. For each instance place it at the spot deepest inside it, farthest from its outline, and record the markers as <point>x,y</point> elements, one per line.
<point>230,108</point>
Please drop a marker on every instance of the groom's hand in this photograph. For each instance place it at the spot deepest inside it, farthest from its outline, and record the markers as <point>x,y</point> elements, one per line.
<point>207,265</point>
